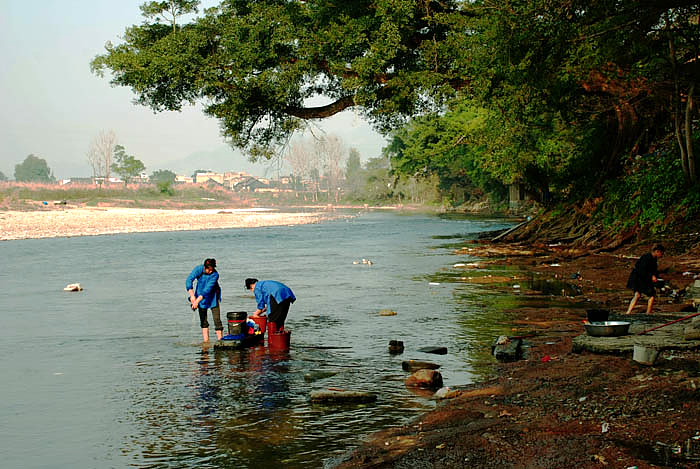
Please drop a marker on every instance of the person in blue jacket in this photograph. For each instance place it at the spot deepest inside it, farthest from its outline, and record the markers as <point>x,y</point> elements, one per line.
<point>273,297</point>
<point>206,295</point>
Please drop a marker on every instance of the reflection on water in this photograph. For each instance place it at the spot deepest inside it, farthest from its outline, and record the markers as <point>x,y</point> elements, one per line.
<point>116,377</point>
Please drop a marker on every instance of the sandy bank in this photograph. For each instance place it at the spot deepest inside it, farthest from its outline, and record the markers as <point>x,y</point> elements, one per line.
<point>98,221</point>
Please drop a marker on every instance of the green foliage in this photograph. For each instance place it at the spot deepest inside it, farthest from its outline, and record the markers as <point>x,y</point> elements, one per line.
<point>165,187</point>
<point>551,95</point>
<point>2,176</point>
<point>255,63</point>
<point>163,175</point>
<point>126,166</point>
<point>33,169</point>
<point>649,195</point>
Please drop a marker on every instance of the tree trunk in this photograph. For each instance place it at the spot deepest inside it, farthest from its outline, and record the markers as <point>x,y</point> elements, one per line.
<point>690,154</point>
<point>676,107</point>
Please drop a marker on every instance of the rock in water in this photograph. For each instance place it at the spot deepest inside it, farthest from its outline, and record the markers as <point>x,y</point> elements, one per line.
<point>387,312</point>
<point>395,346</point>
<point>435,350</point>
<point>431,379</point>
<point>332,396</point>
<point>413,365</point>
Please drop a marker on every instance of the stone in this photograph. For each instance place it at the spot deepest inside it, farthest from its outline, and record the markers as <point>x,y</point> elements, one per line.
<point>692,330</point>
<point>430,379</point>
<point>342,396</point>
<point>396,346</point>
<point>446,393</point>
<point>506,349</point>
<point>387,312</point>
<point>435,350</point>
<point>413,365</point>
<point>312,376</point>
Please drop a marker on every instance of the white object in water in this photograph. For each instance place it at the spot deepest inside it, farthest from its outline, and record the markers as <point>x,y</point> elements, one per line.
<point>433,283</point>
<point>73,287</point>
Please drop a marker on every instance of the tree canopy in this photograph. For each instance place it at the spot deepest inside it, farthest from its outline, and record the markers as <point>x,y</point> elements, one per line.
<point>163,175</point>
<point>33,169</point>
<point>126,166</point>
<point>554,95</point>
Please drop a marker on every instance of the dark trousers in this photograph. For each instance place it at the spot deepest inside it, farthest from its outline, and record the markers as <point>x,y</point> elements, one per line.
<point>278,311</point>
<point>216,314</point>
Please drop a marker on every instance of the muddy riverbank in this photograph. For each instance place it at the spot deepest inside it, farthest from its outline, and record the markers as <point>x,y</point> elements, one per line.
<point>556,408</point>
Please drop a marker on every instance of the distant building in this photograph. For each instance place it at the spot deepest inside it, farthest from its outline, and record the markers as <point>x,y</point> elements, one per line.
<point>251,184</point>
<point>184,179</point>
<point>201,178</point>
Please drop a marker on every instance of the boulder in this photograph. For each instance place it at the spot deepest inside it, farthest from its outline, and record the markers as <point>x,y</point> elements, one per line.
<point>413,365</point>
<point>435,350</point>
<point>431,379</point>
<point>692,330</point>
<point>342,396</point>
<point>506,349</point>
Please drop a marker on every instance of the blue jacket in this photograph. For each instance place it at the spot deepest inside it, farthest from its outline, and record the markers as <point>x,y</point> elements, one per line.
<point>207,286</point>
<point>264,289</point>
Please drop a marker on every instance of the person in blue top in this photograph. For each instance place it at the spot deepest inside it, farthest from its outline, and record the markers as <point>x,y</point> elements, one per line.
<point>273,297</point>
<point>206,295</point>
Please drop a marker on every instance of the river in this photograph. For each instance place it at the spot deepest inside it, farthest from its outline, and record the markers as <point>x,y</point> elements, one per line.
<point>116,375</point>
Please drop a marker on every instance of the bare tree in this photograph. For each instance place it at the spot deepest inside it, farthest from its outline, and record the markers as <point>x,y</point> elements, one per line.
<point>333,154</point>
<point>300,157</point>
<point>101,153</point>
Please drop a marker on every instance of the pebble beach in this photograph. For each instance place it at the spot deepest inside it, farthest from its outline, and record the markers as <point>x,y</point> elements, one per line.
<point>89,221</point>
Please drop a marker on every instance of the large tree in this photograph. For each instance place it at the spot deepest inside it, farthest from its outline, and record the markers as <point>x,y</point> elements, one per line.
<point>33,169</point>
<point>570,88</point>
<point>256,64</point>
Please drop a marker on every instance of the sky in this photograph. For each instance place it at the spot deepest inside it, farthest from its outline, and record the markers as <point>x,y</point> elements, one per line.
<point>53,106</point>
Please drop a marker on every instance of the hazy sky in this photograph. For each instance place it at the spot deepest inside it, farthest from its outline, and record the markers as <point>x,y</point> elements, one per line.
<point>53,106</point>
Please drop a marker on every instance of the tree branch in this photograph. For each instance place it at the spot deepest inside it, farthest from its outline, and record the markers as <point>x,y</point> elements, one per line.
<point>320,112</point>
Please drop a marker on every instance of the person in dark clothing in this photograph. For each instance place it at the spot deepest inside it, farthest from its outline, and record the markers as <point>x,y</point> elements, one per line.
<point>644,276</point>
<point>273,297</point>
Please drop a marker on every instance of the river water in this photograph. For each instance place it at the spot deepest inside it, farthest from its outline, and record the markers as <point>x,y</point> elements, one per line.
<point>116,375</point>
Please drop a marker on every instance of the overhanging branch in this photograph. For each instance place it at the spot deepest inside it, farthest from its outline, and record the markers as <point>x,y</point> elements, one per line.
<point>320,112</point>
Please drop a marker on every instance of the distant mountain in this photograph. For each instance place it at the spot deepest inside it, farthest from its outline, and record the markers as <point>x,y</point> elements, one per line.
<point>220,159</point>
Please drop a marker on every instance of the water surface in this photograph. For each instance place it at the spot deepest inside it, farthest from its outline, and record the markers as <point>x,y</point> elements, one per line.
<point>116,375</point>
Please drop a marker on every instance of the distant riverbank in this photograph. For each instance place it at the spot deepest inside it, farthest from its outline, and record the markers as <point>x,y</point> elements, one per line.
<point>89,221</point>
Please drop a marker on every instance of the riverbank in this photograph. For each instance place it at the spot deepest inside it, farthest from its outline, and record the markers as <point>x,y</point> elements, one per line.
<point>557,408</point>
<point>90,221</point>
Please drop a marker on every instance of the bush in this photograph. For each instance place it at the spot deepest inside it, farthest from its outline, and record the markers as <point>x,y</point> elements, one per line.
<point>166,187</point>
<point>650,194</point>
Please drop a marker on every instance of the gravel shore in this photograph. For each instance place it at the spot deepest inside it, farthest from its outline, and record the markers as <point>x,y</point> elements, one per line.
<point>84,221</point>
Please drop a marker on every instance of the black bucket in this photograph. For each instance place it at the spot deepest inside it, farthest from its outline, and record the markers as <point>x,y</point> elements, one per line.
<point>597,315</point>
<point>237,322</point>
